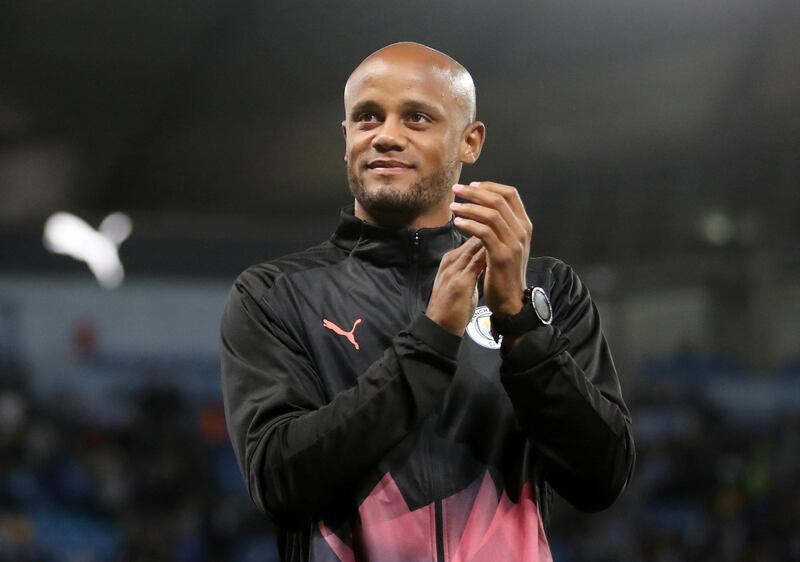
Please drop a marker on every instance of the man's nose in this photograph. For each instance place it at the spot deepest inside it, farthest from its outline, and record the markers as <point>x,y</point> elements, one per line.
<point>389,136</point>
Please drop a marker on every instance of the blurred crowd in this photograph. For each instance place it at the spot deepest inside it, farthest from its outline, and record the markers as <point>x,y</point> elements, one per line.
<point>707,487</point>
<point>161,483</point>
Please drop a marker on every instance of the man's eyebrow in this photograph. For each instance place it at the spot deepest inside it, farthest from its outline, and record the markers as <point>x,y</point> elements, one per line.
<point>407,105</point>
<point>362,106</point>
<point>417,105</point>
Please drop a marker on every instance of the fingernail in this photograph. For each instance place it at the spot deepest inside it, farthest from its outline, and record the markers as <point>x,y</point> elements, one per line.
<point>474,183</point>
<point>455,205</point>
<point>458,187</point>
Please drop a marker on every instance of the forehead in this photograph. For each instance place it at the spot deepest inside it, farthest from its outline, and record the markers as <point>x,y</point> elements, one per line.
<point>385,79</point>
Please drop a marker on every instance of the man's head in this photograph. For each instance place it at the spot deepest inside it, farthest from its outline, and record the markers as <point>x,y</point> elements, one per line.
<point>409,127</point>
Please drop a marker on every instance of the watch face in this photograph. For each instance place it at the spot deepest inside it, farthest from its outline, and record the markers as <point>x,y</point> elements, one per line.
<point>541,304</point>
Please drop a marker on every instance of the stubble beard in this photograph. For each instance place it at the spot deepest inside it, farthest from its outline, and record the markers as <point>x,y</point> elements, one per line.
<point>392,204</point>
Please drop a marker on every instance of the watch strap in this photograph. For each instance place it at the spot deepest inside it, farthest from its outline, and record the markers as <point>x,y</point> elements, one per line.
<point>525,320</point>
<point>513,326</point>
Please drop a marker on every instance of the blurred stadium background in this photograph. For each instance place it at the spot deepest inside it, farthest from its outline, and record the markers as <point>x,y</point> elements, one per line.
<point>656,144</point>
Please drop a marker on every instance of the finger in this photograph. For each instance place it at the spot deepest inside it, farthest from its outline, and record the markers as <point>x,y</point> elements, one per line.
<point>477,263</point>
<point>474,268</point>
<point>455,253</point>
<point>487,216</point>
<point>497,250</point>
<point>494,198</point>
<point>509,193</point>
<point>460,256</point>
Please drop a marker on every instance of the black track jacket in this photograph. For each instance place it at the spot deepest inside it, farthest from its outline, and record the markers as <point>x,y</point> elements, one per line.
<point>368,432</point>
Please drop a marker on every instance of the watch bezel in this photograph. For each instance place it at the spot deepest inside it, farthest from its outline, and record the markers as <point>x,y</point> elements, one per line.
<point>533,291</point>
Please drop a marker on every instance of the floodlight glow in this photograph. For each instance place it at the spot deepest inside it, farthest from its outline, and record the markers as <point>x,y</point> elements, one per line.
<point>64,233</point>
<point>718,228</point>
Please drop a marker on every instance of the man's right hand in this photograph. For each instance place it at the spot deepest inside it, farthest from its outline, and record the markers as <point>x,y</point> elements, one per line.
<point>455,293</point>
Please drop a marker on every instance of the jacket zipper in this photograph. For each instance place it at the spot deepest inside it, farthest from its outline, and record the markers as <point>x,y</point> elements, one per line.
<point>438,518</point>
<point>417,288</point>
<point>438,527</point>
<point>414,299</point>
<point>416,307</point>
<point>433,483</point>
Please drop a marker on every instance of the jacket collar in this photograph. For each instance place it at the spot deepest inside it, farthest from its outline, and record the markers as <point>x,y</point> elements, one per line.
<point>394,246</point>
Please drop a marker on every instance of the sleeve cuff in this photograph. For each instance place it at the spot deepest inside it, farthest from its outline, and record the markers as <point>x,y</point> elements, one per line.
<point>434,336</point>
<point>535,347</point>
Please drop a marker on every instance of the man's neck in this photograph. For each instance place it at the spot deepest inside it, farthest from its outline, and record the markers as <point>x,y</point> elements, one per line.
<point>436,216</point>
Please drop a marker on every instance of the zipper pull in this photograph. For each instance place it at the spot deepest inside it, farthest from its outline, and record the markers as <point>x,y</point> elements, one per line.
<point>416,238</point>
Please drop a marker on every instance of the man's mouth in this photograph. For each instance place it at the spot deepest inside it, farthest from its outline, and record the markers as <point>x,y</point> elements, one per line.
<point>389,166</point>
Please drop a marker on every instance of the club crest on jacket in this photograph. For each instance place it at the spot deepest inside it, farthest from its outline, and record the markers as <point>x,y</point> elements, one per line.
<point>480,328</point>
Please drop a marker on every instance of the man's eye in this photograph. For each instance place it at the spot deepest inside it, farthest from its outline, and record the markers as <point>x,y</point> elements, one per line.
<point>367,116</point>
<point>418,118</point>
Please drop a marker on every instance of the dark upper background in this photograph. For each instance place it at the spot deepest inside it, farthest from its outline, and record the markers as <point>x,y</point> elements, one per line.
<point>635,130</point>
<point>656,144</point>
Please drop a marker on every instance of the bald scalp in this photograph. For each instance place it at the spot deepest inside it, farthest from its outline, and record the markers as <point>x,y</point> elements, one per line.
<point>456,78</point>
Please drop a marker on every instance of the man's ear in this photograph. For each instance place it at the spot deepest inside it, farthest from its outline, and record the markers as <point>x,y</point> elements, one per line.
<point>472,143</point>
<point>344,133</point>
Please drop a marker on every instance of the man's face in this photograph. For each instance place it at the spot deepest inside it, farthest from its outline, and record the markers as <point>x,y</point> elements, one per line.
<point>403,129</point>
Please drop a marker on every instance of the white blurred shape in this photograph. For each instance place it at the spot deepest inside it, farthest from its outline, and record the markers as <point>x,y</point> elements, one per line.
<point>65,233</point>
<point>718,228</point>
<point>116,227</point>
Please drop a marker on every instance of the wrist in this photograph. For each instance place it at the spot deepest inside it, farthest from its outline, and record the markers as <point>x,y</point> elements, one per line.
<point>535,311</point>
<point>445,325</point>
<point>509,308</point>
<point>510,305</point>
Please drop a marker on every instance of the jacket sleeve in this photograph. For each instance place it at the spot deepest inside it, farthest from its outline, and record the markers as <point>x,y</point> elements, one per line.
<point>564,387</point>
<point>297,451</point>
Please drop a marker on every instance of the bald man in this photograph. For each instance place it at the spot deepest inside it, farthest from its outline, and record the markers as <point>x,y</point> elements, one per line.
<point>413,387</point>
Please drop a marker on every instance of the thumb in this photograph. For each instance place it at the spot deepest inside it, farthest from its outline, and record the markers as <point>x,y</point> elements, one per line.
<point>477,263</point>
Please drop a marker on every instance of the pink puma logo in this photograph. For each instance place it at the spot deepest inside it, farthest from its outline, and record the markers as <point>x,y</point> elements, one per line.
<point>349,335</point>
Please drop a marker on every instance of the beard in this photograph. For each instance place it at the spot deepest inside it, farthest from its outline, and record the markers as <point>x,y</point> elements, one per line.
<point>393,204</point>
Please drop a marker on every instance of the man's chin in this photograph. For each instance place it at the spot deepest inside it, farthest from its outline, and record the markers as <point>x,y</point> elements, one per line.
<point>391,187</point>
<point>396,195</point>
<point>392,199</point>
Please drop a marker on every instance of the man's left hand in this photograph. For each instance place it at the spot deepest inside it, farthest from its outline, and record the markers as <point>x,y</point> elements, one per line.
<point>496,216</point>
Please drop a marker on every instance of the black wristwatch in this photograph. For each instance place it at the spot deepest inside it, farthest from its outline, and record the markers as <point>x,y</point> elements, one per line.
<point>536,311</point>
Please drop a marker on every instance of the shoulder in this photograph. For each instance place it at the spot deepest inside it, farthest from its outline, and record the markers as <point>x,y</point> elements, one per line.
<point>550,272</point>
<point>559,280</point>
<point>252,295</point>
<point>260,278</point>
